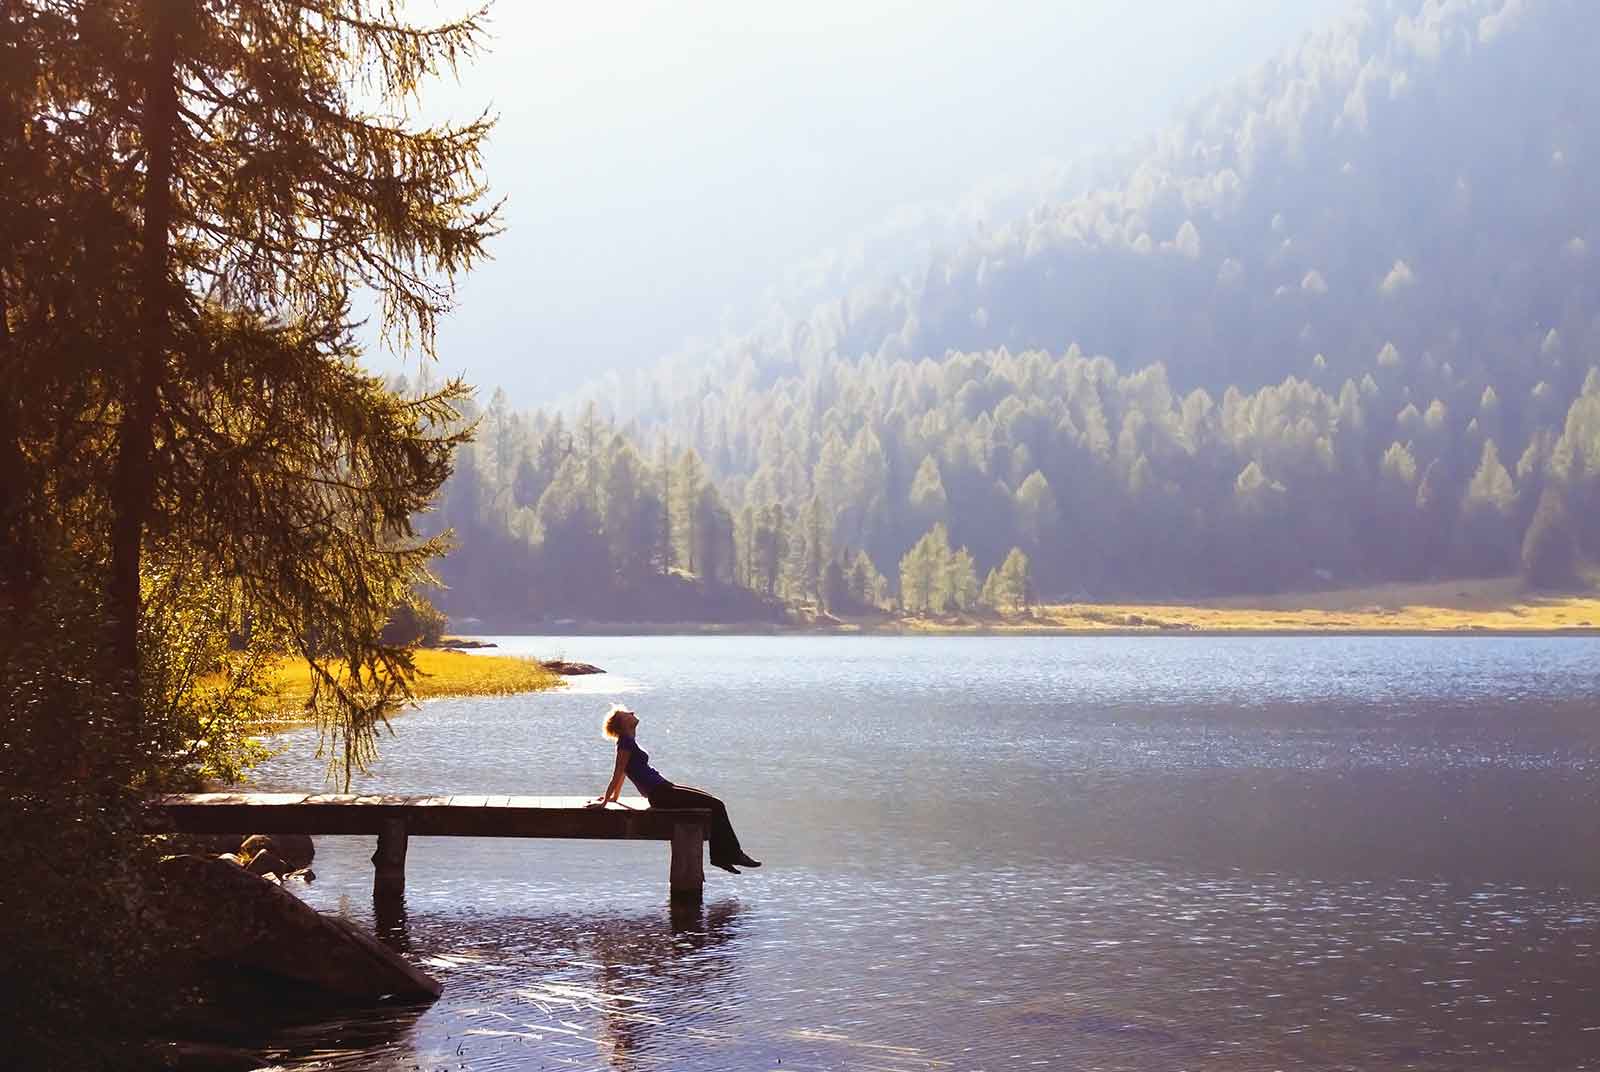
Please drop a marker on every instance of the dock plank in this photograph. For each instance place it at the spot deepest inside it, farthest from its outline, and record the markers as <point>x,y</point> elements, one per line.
<point>461,815</point>
<point>253,799</point>
<point>395,818</point>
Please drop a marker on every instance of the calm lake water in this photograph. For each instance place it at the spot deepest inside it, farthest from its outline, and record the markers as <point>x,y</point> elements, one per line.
<point>998,853</point>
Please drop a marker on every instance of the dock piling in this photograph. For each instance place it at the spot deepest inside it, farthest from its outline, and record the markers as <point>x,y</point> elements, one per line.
<point>389,861</point>
<point>688,874</point>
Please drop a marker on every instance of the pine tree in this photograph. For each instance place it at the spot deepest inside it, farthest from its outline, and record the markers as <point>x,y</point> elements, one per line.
<point>928,502</point>
<point>916,580</point>
<point>627,511</point>
<point>989,595</point>
<point>744,537</point>
<point>235,190</point>
<point>688,485</point>
<point>715,552</point>
<point>927,582</point>
<point>835,590</point>
<point>771,547</point>
<point>867,586</point>
<point>1436,509</point>
<point>1037,510</point>
<point>1014,587</point>
<point>816,548</point>
<point>281,196</point>
<point>962,572</point>
<point>590,433</point>
<point>664,541</point>
<point>1549,548</point>
<point>1485,537</point>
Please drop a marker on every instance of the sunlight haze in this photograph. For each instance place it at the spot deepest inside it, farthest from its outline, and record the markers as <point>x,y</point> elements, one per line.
<point>665,166</point>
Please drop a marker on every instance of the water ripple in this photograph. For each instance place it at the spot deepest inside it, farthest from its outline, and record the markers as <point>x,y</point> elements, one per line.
<point>989,854</point>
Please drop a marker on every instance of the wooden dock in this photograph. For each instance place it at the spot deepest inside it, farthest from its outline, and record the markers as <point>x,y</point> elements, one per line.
<point>396,819</point>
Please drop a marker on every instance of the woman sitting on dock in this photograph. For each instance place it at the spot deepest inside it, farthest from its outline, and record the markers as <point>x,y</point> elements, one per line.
<point>634,763</point>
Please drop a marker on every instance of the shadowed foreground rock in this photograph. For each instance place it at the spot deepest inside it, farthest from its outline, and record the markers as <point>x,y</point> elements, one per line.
<point>201,1057</point>
<point>226,917</point>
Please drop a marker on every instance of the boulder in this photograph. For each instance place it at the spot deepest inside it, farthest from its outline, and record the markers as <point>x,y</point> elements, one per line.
<point>255,843</point>
<point>296,850</point>
<point>224,914</point>
<point>266,862</point>
<point>569,669</point>
<point>203,844</point>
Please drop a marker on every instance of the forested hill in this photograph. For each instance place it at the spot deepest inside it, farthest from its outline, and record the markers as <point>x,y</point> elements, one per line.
<point>1417,175</point>
<point>1348,309</point>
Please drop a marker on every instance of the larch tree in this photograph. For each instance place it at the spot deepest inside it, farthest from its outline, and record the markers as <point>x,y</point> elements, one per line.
<point>962,582</point>
<point>1014,585</point>
<point>688,486</point>
<point>814,528</point>
<point>927,499</point>
<point>989,594</point>
<point>257,162</point>
<point>926,577</point>
<point>1549,548</point>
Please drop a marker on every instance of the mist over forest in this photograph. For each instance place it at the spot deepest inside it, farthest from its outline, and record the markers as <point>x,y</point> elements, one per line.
<point>1337,325</point>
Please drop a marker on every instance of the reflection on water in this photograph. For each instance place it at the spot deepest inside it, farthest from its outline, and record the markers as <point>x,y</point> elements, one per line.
<point>995,854</point>
<point>314,1037</point>
<point>563,990</point>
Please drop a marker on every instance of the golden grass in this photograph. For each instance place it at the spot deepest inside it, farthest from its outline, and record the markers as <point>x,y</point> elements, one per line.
<point>440,673</point>
<point>1498,605</point>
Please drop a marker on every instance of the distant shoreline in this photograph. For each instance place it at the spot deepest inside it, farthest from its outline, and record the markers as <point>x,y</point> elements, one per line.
<point>1497,607</point>
<point>737,629</point>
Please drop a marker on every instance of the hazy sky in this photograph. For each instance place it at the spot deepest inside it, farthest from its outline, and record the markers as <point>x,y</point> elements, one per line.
<point>663,164</point>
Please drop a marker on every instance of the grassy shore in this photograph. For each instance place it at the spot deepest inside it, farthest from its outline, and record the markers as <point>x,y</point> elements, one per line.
<point>440,673</point>
<point>1497,605</point>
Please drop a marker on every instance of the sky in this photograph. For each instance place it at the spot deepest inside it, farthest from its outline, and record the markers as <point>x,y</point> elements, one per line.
<point>664,166</point>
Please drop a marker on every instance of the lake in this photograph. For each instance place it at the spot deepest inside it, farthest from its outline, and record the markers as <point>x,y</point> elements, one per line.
<point>1000,853</point>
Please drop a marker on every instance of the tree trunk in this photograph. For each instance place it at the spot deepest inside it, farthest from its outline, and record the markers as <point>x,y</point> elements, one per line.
<point>16,545</point>
<point>133,479</point>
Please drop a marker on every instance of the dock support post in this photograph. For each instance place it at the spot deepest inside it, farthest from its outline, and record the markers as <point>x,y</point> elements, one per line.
<point>389,862</point>
<point>688,876</point>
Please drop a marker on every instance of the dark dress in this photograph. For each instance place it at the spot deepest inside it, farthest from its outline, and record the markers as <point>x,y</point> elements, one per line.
<point>663,794</point>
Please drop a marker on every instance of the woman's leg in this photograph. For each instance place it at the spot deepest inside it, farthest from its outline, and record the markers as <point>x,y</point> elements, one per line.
<point>724,842</point>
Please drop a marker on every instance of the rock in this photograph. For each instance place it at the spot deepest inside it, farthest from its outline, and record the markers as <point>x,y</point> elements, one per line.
<point>255,843</point>
<point>303,874</point>
<point>222,913</point>
<point>295,850</point>
<point>202,844</point>
<point>569,669</point>
<point>266,862</point>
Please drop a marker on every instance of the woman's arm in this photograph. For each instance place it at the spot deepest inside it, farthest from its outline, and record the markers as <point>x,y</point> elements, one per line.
<point>614,787</point>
